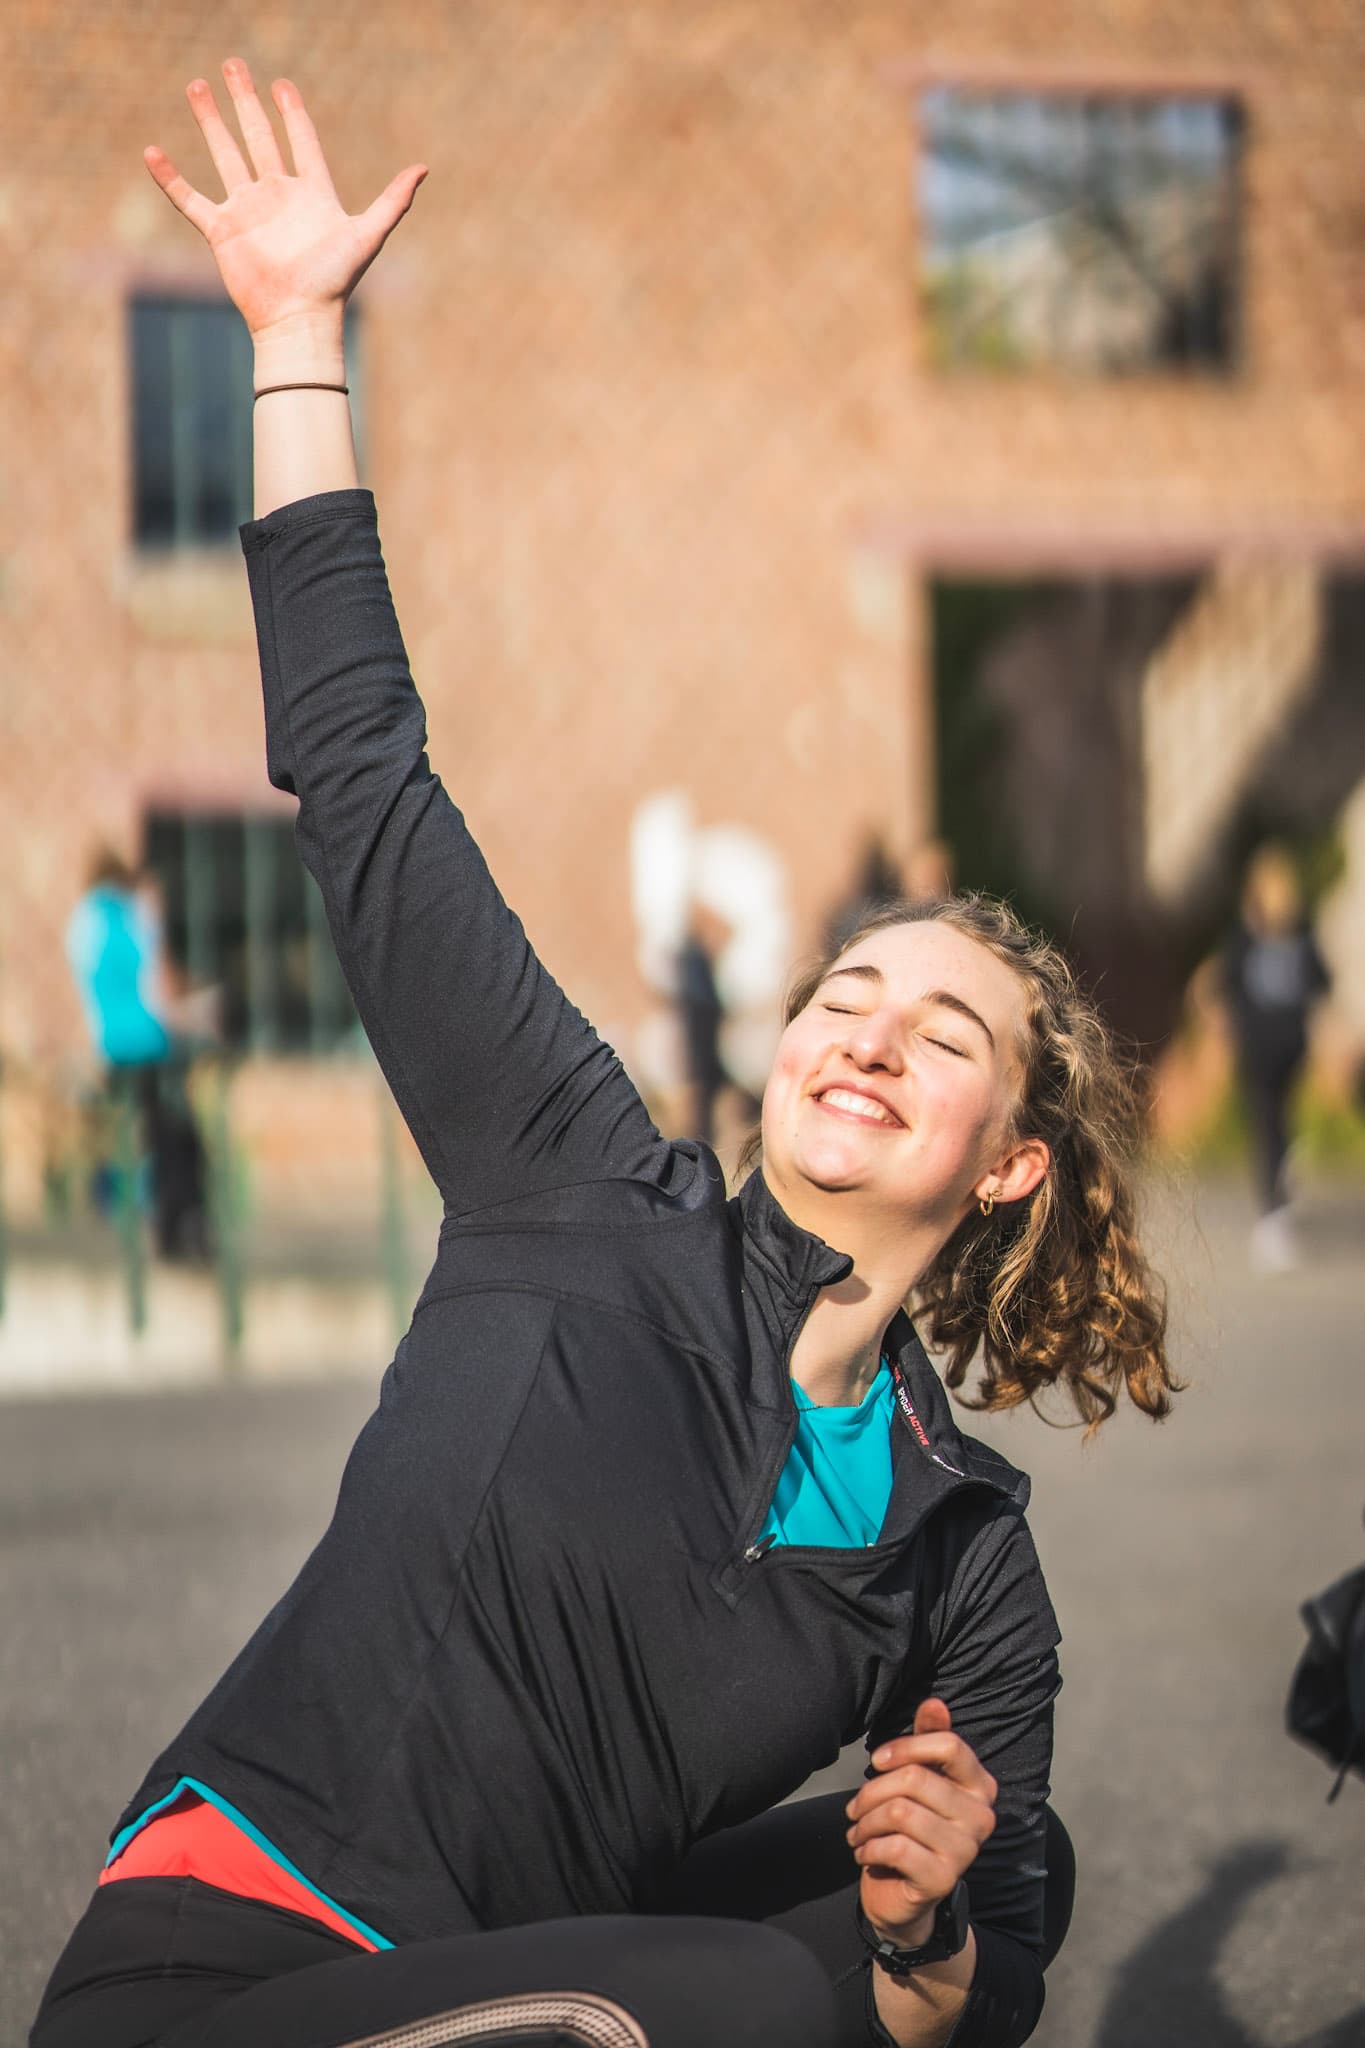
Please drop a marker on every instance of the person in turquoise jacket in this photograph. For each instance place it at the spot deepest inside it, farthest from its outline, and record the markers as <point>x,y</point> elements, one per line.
<point>113,945</point>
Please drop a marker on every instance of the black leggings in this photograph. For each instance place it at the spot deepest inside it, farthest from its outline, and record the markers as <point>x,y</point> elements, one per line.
<point>1268,1091</point>
<point>172,1963</point>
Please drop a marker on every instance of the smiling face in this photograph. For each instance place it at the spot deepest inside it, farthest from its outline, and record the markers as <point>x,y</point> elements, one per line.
<point>893,1089</point>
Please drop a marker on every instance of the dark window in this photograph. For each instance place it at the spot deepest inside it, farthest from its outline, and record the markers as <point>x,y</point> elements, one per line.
<point>192,371</point>
<point>243,914</point>
<point>192,384</point>
<point>1096,234</point>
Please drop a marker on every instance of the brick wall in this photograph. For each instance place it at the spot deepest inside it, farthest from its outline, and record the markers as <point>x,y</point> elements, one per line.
<point>656,451</point>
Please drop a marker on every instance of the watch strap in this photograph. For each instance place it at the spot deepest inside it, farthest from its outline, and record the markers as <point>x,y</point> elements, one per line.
<point>948,1939</point>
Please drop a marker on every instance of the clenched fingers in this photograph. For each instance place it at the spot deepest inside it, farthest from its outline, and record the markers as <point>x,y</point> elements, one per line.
<point>894,1803</point>
<point>944,1751</point>
<point>930,1871</point>
<point>939,1816</point>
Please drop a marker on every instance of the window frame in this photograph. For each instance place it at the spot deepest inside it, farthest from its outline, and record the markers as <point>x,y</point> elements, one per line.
<point>276,903</point>
<point>181,304</point>
<point>1228,94</point>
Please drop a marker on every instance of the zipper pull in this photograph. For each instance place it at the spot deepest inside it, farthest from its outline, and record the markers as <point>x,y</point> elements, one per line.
<point>759,1549</point>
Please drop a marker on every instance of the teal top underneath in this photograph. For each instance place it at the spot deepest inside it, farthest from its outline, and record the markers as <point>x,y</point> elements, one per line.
<point>836,1483</point>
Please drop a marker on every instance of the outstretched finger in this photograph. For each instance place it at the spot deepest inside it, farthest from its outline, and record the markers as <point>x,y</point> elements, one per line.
<point>228,160</point>
<point>195,207</point>
<point>304,147</point>
<point>257,131</point>
<point>381,217</point>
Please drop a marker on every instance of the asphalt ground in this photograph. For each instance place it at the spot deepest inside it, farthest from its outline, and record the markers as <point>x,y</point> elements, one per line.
<point>1221,1899</point>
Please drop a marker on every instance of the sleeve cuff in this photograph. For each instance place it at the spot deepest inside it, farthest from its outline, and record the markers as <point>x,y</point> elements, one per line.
<point>326,506</point>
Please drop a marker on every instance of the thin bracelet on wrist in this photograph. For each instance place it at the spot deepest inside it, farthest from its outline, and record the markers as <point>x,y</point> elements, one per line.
<point>271,390</point>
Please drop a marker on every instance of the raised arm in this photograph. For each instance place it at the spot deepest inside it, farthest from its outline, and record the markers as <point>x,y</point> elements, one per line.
<point>290,256</point>
<point>506,1088</point>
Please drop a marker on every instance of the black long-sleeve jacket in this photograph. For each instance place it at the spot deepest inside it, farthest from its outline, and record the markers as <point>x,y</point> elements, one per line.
<point>537,1656</point>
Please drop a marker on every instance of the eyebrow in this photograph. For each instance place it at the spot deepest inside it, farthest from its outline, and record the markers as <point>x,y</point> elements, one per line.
<point>942,998</point>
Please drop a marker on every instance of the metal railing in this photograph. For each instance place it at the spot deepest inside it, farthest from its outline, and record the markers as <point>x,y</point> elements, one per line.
<point>101,1203</point>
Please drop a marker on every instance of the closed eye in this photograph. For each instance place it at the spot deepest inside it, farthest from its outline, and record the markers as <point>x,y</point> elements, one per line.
<point>958,1052</point>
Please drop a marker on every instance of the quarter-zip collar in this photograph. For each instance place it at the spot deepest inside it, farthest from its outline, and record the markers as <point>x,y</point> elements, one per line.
<point>785,1266</point>
<point>797,1260</point>
<point>783,1269</point>
<point>931,1456</point>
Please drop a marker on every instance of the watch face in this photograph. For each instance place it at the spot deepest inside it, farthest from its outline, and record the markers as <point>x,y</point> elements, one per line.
<point>952,1921</point>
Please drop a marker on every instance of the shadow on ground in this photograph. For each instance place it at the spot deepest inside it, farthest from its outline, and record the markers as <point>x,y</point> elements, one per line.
<point>1167,1990</point>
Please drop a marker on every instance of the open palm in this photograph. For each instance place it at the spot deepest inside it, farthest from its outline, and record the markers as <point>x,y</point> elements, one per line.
<point>285,246</point>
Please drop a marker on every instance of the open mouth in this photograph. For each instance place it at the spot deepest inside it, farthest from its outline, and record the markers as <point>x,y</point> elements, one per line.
<point>863,1109</point>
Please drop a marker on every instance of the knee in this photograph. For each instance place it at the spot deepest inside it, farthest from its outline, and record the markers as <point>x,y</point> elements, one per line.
<point>1060,1894</point>
<point>734,1981</point>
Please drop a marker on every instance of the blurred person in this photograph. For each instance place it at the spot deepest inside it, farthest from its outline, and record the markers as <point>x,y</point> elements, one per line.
<point>701,1014</point>
<point>663,1502</point>
<point>114,947</point>
<point>929,871</point>
<point>876,884</point>
<point>1272,974</point>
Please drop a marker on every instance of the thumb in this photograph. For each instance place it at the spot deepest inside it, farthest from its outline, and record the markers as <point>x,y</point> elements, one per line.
<point>381,218</point>
<point>932,1718</point>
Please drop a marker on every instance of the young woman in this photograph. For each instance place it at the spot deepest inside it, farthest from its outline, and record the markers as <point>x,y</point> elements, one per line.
<point>1272,975</point>
<point>662,1502</point>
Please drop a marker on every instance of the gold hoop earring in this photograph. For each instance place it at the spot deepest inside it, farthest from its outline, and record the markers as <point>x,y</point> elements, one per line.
<point>987,1204</point>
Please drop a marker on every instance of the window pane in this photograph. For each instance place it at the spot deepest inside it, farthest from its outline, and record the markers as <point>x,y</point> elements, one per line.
<point>243,916</point>
<point>191,378</point>
<point>153,481</point>
<point>1095,234</point>
<point>219,407</point>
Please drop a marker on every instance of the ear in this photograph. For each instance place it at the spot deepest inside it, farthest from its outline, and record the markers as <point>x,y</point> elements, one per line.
<point>1017,1174</point>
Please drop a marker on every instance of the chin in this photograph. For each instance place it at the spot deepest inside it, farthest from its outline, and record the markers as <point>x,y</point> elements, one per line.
<point>832,1172</point>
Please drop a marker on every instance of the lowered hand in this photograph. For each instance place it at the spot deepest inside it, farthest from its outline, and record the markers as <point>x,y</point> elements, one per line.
<point>918,1826</point>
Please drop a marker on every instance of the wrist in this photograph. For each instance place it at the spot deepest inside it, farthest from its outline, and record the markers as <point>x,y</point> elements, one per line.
<point>302,348</point>
<point>907,1933</point>
<point>911,1945</point>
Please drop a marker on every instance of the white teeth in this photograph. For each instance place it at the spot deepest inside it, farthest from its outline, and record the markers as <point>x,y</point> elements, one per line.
<point>859,1105</point>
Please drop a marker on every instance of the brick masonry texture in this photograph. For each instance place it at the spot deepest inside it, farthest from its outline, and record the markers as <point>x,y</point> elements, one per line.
<point>657,454</point>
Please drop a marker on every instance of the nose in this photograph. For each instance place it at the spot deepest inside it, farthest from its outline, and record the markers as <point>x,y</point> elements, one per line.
<point>874,1042</point>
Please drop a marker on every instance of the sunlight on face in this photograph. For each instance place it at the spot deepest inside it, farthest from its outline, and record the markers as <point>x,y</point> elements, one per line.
<point>897,1081</point>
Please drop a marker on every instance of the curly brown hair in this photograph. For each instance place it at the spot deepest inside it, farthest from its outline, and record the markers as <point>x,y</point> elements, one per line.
<point>1054,1290</point>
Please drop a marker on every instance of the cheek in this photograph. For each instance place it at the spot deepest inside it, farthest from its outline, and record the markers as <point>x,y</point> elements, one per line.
<point>959,1108</point>
<point>799,1050</point>
<point>783,1081</point>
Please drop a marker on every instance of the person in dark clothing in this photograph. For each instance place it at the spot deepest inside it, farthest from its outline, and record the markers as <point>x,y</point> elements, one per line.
<point>877,885</point>
<point>662,1502</point>
<point>1273,974</point>
<point>701,1013</point>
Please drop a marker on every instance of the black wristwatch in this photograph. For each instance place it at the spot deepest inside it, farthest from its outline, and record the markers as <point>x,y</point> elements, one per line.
<point>948,1939</point>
